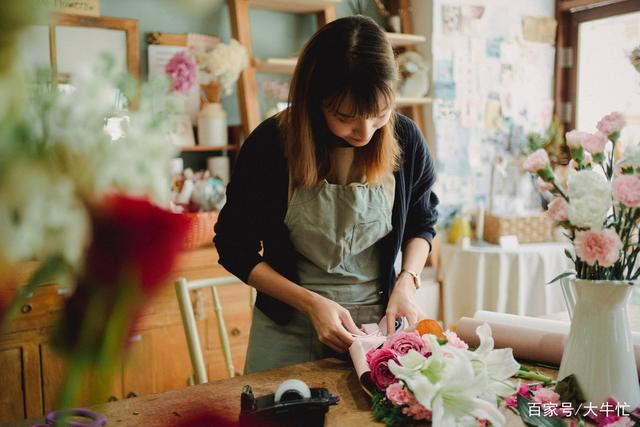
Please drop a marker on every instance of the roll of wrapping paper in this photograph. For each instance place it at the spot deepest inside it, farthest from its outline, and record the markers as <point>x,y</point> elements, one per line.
<point>531,338</point>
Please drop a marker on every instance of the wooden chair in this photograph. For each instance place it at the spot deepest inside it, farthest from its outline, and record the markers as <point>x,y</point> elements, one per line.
<point>183,288</point>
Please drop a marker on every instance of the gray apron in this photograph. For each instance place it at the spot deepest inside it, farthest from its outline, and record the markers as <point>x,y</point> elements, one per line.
<point>334,229</point>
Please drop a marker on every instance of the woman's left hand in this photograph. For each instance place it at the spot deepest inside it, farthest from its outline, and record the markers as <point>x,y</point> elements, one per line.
<point>401,303</point>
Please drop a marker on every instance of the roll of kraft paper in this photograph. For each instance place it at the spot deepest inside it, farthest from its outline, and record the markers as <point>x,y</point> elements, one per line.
<point>531,338</point>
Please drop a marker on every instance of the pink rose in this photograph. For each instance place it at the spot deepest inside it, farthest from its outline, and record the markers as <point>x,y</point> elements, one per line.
<point>182,71</point>
<point>379,365</point>
<point>454,340</point>
<point>536,161</point>
<point>575,138</point>
<point>626,189</point>
<point>602,247</point>
<point>611,123</point>
<point>543,186</point>
<point>402,342</point>
<point>595,142</point>
<point>558,209</point>
<point>398,394</point>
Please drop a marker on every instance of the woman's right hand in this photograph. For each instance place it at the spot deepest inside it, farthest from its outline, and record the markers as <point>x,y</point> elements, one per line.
<point>333,323</point>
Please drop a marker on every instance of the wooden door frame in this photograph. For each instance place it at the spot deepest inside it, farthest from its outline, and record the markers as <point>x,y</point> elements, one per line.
<point>570,14</point>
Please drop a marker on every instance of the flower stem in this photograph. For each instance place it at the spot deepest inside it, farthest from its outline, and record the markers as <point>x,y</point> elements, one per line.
<point>533,376</point>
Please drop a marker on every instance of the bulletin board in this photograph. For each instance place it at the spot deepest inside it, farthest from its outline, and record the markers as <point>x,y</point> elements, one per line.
<point>493,65</point>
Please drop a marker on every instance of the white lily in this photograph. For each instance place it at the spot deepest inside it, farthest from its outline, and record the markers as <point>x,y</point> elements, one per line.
<point>446,383</point>
<point>497,365</point>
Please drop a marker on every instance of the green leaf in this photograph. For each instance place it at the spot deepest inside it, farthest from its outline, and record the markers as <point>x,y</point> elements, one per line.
<point>565,274</point>
<point>536,420</point>
<point>383,410</point>
<point>569,391</point>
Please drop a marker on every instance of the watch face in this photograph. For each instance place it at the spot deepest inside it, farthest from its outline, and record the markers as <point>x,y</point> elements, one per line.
<point>400,324</point>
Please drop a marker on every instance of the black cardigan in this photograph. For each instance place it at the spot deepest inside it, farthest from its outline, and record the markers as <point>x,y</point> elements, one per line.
<point>257,199</point>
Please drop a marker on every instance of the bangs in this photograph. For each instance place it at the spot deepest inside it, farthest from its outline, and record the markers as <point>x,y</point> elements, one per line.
<point>360,100</point>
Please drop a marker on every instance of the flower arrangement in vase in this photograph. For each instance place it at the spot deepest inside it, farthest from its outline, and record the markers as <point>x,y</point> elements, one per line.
<point>598,208</point>
<point>219,68</point>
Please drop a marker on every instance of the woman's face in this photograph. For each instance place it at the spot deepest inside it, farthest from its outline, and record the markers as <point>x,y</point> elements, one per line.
<point>357,131</point>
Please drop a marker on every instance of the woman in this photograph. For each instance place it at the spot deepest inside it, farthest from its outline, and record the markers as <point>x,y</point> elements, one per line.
<point>332,189</point>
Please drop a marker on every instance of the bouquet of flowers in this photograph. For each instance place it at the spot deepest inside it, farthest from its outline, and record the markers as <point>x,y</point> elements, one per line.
<point>437,378</point>
<point>222,63</point>
<point>598,207</point>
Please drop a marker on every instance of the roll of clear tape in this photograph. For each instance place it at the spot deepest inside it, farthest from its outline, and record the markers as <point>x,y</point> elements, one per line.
<point>292,386</point>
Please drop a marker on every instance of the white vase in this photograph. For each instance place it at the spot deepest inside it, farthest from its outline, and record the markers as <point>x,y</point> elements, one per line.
<point>599,349</point>
<point>212,125</point>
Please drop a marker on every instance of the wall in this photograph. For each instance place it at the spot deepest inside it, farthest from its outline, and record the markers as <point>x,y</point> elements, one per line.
<point>490,88</point>
<point>274,34</point>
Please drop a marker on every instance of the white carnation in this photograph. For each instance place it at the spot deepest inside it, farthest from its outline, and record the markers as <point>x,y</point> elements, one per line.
<point>632,156</point>
<point>589,183</point>
<point>589,211</point>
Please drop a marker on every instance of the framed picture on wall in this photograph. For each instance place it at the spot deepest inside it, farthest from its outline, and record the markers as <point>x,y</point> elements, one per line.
<point>70,43</point>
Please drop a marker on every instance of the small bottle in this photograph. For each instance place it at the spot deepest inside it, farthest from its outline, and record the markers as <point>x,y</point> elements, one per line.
<point>212,125</point>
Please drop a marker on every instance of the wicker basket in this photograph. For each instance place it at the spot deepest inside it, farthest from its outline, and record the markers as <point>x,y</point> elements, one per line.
<point>201,231</point>
<point>528,229</point>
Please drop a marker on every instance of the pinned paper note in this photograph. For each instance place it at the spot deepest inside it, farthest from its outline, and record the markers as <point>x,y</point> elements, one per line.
<point>539,29</point>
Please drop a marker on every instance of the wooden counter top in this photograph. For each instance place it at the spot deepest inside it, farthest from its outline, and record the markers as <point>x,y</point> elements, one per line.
<point>169,408</point>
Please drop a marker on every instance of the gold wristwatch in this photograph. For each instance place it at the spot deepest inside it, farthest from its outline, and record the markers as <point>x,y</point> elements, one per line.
<point>416,277</point>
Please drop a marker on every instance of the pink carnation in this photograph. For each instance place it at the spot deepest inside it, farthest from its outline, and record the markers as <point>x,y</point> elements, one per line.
<point>575,138</point>
<point>610,417</point>
<point>379,365</point>
<point>525,390</point>
<point>536,161</point>
<point>398,394</point>
<point>595,142</point>
<point>543,186</point>
<point>611,123</point>
<point>558,209</point>
<point>454,340</point>
<point>619,422</point>
<point>415,410</point>
<point>626,189</point>
<point>402,342</point>
<point>545,395</point>
<point>182,71</point>
<point>602,247</point>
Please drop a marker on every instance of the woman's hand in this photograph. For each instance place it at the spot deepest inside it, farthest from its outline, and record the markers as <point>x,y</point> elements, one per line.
<point>333,323</point>
<point>401,303</point>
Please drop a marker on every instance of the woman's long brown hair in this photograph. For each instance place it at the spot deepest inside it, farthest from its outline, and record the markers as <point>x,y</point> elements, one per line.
<point>349,58</point>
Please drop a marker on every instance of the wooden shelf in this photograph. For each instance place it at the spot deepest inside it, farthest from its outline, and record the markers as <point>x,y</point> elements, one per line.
<point>401,39</point>
<point>407,102</point>
<point>275,65</point>
<point>203,148</point>
<point>295,6</point>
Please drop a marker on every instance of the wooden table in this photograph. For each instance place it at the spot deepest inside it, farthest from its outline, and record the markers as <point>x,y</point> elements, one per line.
<point>169,408</point>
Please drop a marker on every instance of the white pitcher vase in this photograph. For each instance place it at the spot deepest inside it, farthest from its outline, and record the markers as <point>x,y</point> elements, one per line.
<point>599,349</point>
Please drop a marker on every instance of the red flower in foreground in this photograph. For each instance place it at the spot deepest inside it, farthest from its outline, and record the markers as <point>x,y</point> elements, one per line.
<point>133,247</point>
<point>133,235</point>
